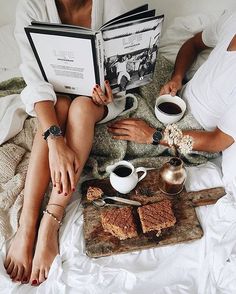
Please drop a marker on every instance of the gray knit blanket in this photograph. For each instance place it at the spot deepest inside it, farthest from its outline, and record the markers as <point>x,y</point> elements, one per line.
<point>14,154</point>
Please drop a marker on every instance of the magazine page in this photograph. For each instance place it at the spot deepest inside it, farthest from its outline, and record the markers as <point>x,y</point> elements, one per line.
<point>126,14</point>
<point>130,18</point>
<point>130,52</point>
<point>67,61</point>
<point>58,26</point>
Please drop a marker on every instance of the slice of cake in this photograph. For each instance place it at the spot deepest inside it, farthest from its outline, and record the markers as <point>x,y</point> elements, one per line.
<point>156,216</point>
<point>119,222</point>
<point>94,193</point>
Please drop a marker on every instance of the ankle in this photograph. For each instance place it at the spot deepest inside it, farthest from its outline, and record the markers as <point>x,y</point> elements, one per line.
<point>52,219</point>
<point>27,225</point>
<point>57,210</point>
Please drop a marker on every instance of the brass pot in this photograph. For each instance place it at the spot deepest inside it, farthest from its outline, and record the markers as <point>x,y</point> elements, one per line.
<point>172,176</point>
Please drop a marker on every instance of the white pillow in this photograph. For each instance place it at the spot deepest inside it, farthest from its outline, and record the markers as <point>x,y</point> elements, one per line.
<point>181,29</point>
<point>9,52</point>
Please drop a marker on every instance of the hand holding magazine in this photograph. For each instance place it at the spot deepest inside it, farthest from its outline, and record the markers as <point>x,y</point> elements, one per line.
<point>73,59</point>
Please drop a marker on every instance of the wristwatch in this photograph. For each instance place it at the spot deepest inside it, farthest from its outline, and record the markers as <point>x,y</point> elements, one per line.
<point>157,136</point>
<point>53,131</point>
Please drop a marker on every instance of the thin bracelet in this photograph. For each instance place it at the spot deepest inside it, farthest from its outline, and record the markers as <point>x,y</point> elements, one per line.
<point>57,205</point>
<point>53,216</point>
<point>64,209</point>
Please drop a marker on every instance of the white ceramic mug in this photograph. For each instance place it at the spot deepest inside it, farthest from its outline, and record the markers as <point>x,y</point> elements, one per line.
<point>124,176</point>
<point>165,117</point>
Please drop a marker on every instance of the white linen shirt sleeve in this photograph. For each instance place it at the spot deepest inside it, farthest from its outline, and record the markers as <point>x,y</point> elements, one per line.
<point>214,31</point>
<point>37,88</point>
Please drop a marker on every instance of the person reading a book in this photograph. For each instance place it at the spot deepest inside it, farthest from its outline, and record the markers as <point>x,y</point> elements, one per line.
<point>210,95</point>
<point>68,129</point>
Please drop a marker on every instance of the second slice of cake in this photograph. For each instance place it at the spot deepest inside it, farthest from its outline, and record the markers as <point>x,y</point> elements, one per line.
<point>156,216</point>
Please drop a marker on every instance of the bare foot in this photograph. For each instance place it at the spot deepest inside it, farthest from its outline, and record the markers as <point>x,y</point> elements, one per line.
<point>19,257</point>
<point>46,250</point>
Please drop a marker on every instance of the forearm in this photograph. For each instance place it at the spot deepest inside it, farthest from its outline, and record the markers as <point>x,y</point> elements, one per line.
<point>46,114</point>
<point>137,130</point>
<point>215,141</point>
<point>185,58</point>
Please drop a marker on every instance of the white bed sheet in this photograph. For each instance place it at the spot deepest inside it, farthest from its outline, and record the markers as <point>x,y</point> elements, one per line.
<point>205,266</point>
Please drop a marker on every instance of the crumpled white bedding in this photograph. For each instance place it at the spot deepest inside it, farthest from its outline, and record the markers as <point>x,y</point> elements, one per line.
<point>205,266</point>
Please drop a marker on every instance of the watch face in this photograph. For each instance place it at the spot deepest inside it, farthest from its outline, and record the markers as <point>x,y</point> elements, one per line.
<point>157,136</point>
<point>55,130</point>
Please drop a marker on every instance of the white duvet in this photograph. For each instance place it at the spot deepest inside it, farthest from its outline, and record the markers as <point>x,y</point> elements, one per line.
<point>205,266</point>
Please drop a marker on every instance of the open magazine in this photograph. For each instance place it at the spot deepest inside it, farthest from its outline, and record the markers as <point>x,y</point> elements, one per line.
<point>73,59</point>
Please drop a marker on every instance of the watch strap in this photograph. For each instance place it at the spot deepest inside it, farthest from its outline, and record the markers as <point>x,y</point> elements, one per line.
<point>46,134</point>
<point>157,136</point>
<point>53,131</point>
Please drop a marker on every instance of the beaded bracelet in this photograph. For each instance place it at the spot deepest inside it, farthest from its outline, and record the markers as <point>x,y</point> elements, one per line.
<point>53,216</point>
<point>174,137</point>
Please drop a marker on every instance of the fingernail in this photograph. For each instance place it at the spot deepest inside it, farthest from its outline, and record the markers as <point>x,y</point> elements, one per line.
<point>54,186</point>
<point>59,192</point>
<point>107,82</point>
<point>73,189</point>
<point>34,282</point>
<point>65,194</point>
<point>25,280</point>
<point>97,86</point>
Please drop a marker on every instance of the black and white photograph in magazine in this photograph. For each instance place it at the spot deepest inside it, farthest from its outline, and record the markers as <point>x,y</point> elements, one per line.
<point>130,55</point>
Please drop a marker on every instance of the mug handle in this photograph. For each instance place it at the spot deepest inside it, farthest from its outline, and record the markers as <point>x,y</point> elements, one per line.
<point>141,169</point>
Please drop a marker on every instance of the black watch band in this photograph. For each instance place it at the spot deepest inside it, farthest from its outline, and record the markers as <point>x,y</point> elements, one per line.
<point>53,131</point>
<point>156,137</point>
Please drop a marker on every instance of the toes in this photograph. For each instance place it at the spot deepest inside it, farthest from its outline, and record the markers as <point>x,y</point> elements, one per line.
<point>42,277</point>
<point>20,273</point>
<point>14,272</point>
<point>35,277</point>
<point>46,273</point>
<point>7,262</point>
<point>10,267</point>
<point>26,275</point>
<point>38,276</point>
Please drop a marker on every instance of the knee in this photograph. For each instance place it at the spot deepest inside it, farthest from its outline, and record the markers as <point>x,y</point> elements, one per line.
<point>62,107</point>
<point>84,107</point>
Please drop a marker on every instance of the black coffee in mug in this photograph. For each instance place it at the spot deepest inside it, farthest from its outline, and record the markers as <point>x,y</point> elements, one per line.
<point>169,108</point>
<point>122,171</point>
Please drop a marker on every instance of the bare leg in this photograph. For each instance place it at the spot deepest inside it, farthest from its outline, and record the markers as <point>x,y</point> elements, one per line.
<point>82,117</point>
<point>19,258</point>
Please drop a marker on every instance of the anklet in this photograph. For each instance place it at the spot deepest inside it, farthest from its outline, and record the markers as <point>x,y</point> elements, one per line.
<point>56,205</point>
<point>64,209</point>
<point>53,216</point>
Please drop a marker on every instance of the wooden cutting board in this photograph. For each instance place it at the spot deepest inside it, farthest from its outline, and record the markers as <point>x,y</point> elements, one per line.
<point>98,243</point>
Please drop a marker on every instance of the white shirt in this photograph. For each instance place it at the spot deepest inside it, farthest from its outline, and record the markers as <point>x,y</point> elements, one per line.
<point>46,11</point>
<point>211,93</point>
